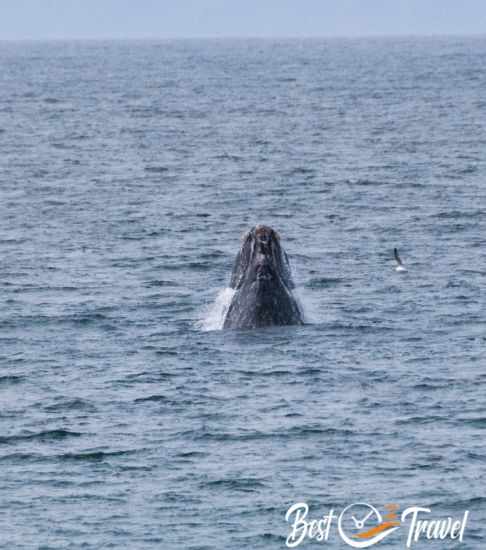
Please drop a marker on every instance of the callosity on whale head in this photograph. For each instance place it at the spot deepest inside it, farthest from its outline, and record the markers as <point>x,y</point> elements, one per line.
<point>263,283</point>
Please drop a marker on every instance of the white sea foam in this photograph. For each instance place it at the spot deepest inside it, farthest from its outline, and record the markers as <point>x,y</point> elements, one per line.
<point>213,316</point>
<point>311,310</point>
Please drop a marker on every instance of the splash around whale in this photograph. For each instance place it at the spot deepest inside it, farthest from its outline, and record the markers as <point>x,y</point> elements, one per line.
<point>262,283</point>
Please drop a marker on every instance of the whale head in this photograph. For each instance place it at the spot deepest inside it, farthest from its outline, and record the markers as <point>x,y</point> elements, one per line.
<point>263,283</point>
<point>261,258</point>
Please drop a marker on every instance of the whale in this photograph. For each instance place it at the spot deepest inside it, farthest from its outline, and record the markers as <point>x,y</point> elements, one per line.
<point>263,284</point>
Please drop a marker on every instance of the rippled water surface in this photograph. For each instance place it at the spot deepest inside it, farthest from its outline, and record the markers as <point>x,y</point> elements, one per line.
<point>128,173</point>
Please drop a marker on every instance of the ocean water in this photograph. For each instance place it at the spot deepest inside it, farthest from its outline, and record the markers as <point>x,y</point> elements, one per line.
<point>128,173</point>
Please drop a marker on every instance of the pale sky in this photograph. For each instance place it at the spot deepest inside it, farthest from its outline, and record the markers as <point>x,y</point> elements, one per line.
<point>38,19</point>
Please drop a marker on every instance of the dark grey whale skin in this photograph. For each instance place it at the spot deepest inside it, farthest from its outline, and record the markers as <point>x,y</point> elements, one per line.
<point>263,283</point>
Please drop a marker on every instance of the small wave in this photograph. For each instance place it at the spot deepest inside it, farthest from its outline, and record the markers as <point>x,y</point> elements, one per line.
<point>473,503</point>
<point>423,419</point>
<point>49,435</point>
<point>428,387</point>
<point>301,170</point>
<point>12,242</point>
<point>476,457</point>
<point>323,282</point>
<point>293,433</point>
<point>157,398</point>
<point>54,202</point>
<point>360,328</point>
<point>286,79</point>
<point>166,351</point>
<point>246,485</point>
<point>191,454</point>
<point>21,457</point>
<point>88,456</point>
<point>8,380</point>
<point>228,156</point>
<point>156,169</point>
<point>200,266</point>
<point>94,455</point>
<point>365,182</point>
<point>80,319</point>
<point>61,145</point>
<point>266,373</point>
<point>160,283</point>
<point>71,405</point>
<point>474,422</point>
<point>458,214</point>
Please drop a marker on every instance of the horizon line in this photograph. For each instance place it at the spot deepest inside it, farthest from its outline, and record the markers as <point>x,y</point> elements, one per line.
<point>148,38</point>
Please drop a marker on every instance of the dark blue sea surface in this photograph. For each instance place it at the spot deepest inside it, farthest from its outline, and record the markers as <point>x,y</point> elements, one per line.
<point>128,173</point>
